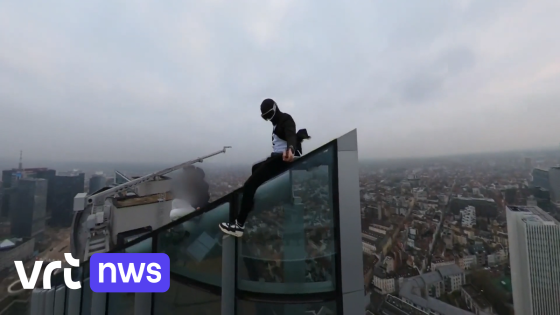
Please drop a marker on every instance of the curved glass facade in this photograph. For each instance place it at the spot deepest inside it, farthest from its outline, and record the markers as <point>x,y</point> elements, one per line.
<point>120,303</point>
<point>185,299</point>
<point>194,247</point>
<point>288,245</point>
<point>300,253</point>
<point>261,308</point>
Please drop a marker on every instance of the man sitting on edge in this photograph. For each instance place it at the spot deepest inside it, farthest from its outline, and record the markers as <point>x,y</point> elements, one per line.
<point>286,144</point>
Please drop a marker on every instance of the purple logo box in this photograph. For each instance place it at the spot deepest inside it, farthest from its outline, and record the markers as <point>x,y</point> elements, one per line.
<point>129,273</point>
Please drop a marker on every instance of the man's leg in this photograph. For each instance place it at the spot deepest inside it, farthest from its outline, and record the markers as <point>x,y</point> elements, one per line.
<point>267,170</point>
<point>258,165</point>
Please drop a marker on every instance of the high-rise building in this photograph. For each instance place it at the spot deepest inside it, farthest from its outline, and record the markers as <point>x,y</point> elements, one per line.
<point>534,249</point>
<point>10,178</point>
<point>28,207</point>
<point>62,191</point>
<point>6,186</point>
<point>540,178</point>
<point>109,181</point>
<point>528,163</point>
<point>49,175</point>
<point>301,254</point>
<point>120,178</point>
<point>554,180</point>
<point>96,182</point>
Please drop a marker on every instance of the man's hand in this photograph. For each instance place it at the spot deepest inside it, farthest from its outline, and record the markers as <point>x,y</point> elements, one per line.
<point>288,155</point>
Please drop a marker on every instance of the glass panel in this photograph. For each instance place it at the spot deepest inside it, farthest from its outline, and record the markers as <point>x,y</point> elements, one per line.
<point>86,297</point>
<point>120,303</point>
<point>73,299</point>
<point>85,274</point>
<point>144,246</point>
<point>86,290</point>
<point>195,247</point>
<point>259,308</point>
<point>182,299</point>
<point>288,245</point>
<point>123,303</point>
<point>77,273</point>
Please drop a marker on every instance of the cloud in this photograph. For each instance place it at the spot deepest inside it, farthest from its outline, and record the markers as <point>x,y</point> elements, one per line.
<point>163,82</point>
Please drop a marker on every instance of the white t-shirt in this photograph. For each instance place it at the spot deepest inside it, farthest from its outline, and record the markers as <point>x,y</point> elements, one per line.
<point>278,145</point>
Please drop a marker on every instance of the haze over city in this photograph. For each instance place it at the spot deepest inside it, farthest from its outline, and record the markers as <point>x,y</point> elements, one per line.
<point>430,183</point>
<point>163,82</point>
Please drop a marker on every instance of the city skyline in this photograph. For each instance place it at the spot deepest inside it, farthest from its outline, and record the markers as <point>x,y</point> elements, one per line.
<point>64,165</point>
<point>426,181</point>
<point>414,78</point>
<point>435,233</point>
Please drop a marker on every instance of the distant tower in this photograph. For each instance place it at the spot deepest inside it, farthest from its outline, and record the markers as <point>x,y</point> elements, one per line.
<point>20,166</point>
<point>534,252</point>
<point>528,163</point>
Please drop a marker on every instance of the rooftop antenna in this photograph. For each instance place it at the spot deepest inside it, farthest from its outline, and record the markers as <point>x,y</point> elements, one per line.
<point>20,166</point>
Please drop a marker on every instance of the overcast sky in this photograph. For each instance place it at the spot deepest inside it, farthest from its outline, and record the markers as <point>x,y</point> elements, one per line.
<point>169,80</point>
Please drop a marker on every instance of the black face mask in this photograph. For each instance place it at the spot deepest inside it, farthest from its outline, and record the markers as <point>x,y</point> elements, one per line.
<point>268,112</point>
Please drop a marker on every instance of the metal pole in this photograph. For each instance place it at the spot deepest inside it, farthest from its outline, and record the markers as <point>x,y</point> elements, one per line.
<point>99,198</point>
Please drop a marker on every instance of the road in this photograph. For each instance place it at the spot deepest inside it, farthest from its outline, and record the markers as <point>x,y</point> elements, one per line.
<point>406,218</point>
<point>440,224</point>
<point>397,230</point>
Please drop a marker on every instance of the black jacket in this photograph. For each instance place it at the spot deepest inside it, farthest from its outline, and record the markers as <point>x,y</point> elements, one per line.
<point>286,130</point>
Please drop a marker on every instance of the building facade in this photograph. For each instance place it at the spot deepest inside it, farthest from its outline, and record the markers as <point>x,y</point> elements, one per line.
<point>29,207</point>
<point>554,180</point>
<point>540,178</point>
<point>60,202</point>
<point>10,179</point>
<point>475,300</point>
<point>422,292</point>
<point>468,216</point>
<point>96,182</point>
<point>534,238</point>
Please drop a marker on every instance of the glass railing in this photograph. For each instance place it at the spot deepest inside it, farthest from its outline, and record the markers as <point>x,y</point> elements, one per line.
<point>287,262</point>
<point>120,303</point>
<point>186,299</point>
<point>194,247</point>
<point>263,308</point>
<point>288,246</point>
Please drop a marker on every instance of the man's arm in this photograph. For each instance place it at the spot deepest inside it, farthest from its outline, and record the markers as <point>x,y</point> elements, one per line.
<point>290,133</point>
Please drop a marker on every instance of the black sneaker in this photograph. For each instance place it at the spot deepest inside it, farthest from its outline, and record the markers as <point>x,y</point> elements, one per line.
<point>233,229</point>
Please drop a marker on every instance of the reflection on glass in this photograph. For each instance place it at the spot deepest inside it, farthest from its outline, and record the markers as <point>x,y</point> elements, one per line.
<point>120,303</point>
<point>288,244</point>
<point>123,303</point>
<point>195,247</point>
<point>182,299</point>
<point>77,273</point>
<point>144,246</point>
<point>257,308</point>
<point>86,297</point>
<point>85,274</point>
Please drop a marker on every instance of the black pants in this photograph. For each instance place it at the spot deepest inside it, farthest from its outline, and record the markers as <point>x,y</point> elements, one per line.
<point>261,172</point>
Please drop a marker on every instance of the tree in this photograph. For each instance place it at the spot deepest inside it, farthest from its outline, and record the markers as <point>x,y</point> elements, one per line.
<point>482,279</point>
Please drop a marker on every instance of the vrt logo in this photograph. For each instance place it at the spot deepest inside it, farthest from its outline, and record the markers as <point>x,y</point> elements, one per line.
<point>49,269</point>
